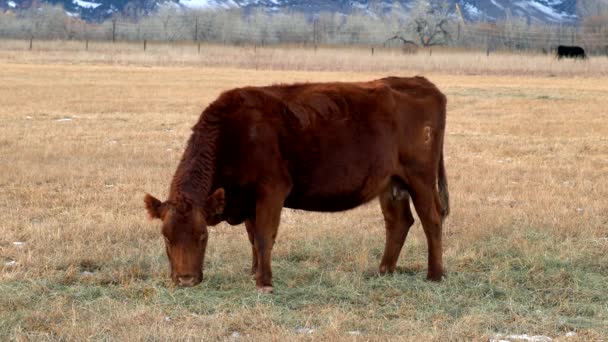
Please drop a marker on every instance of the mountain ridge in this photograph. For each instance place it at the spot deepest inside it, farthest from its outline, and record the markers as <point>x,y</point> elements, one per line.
<point>543,11</point>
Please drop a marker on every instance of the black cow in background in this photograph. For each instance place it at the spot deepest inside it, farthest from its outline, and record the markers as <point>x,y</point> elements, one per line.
<point>570,52</point>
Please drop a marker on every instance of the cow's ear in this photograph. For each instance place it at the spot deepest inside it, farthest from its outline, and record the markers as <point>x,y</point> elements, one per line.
<point>214,205</point>
<point>153,206</point>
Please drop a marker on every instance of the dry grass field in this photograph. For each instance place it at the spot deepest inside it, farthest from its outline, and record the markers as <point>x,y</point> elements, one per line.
<point>289,58</point>
<point>81,140</point>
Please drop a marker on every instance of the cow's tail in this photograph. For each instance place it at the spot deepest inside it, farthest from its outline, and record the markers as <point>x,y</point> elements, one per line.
<point>442,183</point>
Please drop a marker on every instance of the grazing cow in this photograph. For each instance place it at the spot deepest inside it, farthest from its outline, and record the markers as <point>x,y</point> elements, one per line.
<point>323,147</point>
<point>570,52</point>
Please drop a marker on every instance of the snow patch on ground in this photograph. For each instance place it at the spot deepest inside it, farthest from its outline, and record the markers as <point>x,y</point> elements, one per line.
<point>522,337</point>
<point>304,331</point>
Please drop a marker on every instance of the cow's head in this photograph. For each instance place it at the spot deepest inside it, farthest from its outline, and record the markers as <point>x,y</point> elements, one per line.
<point>184,229</point>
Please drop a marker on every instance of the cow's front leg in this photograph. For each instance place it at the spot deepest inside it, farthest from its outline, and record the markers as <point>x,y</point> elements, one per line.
<point>269,203</point>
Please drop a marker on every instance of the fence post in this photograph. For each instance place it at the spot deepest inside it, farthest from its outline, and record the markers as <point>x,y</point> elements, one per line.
<point>31,41</point>
<point>86,45</point>
<point>113,30</point>
<point>145,43</point>
<point>196,30</point>
<point>372,50</point>
<point>199,48</point>
<point>572,36</point>
<point>315,33</point>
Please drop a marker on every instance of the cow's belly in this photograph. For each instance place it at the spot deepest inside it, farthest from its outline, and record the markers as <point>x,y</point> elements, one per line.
<point>337,189</point>
<point>341,178</point>
<point>326,203</point>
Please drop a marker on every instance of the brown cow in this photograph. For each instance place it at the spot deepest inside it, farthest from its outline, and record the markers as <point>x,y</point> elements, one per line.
<point>318,147</point>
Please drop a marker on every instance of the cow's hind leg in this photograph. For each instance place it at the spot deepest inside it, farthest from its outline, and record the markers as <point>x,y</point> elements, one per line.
<point>249,224</point>
<point>428,206</point>
<point>398,219</point>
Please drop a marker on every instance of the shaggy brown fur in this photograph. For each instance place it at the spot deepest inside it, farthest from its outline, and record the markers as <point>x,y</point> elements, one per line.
<point>319,147</point>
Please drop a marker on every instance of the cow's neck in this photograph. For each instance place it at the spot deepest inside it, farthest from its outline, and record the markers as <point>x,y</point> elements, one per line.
<point>194,175</point>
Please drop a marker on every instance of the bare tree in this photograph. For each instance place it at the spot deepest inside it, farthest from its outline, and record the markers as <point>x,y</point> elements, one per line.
<point>430,21</point>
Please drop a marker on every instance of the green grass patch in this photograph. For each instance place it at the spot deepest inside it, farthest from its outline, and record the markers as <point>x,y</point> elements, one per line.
<point>506,288</point>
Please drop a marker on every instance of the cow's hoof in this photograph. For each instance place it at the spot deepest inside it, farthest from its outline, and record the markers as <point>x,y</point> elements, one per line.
<point>386,270</point>
<point>265,289</point>
<point>435,276</point>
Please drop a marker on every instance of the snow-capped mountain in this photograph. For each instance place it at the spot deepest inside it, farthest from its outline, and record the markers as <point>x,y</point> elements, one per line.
<point>548,11</point>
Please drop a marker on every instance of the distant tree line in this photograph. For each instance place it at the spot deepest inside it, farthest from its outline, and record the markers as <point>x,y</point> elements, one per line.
<point>428,23</point>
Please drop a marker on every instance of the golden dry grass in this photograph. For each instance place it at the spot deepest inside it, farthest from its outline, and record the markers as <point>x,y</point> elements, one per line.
<point>360,59</point>
<point>526,245</point>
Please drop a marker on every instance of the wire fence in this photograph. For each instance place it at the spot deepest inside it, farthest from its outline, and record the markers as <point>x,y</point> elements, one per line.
<point>206,29</point>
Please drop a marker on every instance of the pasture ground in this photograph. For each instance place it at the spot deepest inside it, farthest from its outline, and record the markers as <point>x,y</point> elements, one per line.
<point>526,244</point>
